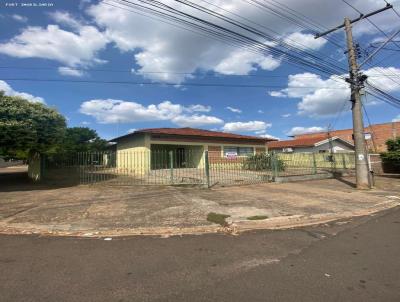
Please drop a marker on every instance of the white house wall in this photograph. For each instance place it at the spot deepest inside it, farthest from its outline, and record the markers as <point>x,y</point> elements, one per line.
<point>336,145</point>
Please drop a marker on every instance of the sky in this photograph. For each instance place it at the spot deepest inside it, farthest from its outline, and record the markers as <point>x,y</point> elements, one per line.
<point>111,68</point>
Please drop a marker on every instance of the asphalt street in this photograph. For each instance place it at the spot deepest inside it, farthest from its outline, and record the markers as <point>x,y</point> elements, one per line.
<point>356,260</point>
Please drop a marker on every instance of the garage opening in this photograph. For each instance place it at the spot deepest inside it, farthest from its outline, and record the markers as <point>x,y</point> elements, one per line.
<point>176,156</point>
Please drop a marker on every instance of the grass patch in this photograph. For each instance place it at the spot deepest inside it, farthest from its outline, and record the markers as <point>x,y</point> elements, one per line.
<point>257,217</point>
<point>217,218</point>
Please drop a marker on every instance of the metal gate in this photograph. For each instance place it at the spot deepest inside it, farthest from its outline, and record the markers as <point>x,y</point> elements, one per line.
<point>188,167</point>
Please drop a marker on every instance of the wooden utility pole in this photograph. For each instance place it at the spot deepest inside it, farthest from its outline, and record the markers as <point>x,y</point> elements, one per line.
<point>361,160</point>
<point>356,81</point>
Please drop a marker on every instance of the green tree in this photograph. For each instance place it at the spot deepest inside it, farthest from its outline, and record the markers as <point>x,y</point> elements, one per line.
<point>391,159</point>
<point>81,139</point>
<point>28,127</point>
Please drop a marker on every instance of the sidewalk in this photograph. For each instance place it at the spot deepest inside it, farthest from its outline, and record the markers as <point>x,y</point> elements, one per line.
<point>159,210</point>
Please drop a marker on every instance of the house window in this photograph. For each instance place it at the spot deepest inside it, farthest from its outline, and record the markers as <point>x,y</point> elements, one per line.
<point>238,151</point>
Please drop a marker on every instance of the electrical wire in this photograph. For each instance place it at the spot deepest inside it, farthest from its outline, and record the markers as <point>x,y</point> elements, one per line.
<point>164,84</point>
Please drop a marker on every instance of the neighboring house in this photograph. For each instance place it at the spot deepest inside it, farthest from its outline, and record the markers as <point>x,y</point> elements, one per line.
<point>188,145</point>
<point>317,144</point>
<point>375,135</point>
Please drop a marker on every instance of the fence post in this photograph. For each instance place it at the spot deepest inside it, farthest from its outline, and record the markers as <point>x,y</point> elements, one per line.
<point>314,163</point>
<point>207,168</point>
<point>274,165</point>
<point>171,166</point>
<point>344,161</point>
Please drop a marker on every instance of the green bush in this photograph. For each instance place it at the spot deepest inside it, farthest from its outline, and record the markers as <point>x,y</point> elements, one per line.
<point>262,161</point>
<point>391,159</point>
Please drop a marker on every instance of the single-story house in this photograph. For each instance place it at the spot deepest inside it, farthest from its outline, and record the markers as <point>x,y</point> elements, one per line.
<point>318,144</point>
<point>147,149</point>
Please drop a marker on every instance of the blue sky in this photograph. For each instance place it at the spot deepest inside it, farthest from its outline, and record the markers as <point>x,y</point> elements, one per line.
<point>93,41</point>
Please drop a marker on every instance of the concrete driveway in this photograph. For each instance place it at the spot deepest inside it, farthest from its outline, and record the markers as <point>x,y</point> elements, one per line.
<point>113,210</point>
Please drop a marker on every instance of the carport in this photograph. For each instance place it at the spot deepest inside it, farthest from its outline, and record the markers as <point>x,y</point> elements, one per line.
<point>176,156</point>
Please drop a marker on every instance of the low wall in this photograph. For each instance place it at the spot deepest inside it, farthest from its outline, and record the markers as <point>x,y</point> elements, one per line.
<point>376,164</point>
<point>283,179</point>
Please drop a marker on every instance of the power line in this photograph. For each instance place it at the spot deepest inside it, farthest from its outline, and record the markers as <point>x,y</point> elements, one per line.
<point>133,72</point>
<point>166,84</point>
<point>380,30</point>
<point>247,41</point>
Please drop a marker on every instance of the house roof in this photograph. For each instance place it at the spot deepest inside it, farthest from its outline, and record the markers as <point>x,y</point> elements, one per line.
<point>195,132</point>
<point>304,142</point>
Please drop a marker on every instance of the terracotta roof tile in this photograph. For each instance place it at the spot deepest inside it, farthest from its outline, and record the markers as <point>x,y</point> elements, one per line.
<point>197,132</point>
<point>300,142</point>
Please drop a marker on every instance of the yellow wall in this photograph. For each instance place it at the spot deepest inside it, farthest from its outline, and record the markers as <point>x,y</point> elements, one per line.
<point>133,152</point>
<point>133,155</point>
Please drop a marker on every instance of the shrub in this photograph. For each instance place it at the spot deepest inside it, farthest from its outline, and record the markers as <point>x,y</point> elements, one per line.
<point>262,161</point>
<point>391,159</point>
<point>218,218</point>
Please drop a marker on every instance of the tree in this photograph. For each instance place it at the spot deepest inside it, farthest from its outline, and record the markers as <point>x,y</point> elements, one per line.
<point>28,127</point>
<point>391,159</point>
<point>81,139</point>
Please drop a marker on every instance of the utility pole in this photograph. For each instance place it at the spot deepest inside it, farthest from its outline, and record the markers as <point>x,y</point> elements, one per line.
<point>362,170</point>
<point>356,80</point>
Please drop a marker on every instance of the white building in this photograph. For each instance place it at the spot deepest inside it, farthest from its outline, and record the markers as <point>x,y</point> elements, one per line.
<point>321,144</point>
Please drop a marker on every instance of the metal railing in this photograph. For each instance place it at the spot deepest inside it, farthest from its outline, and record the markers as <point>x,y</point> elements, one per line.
<point>182,166</point>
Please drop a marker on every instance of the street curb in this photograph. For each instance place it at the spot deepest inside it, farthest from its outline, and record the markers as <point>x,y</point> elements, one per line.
<point>237,227</point>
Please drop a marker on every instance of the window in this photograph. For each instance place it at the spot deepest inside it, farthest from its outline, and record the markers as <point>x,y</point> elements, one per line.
<point>238,151</point>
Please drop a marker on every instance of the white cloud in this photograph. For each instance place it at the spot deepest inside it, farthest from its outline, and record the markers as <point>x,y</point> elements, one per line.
<point>196,120</point>
<point>305,41</point>
<point>319,97</point>
<point>111,111</point>
<point>305,130</point>
<point>198,108</point>
<point>161,46</point>
<point>396,119</point>
<point>246,126</point>
<point>242,62</point>
<point>386,78</point>
<point>118,111</point>
<point>286,115</point>
<point>54,43</point>
<point>265,135</point>
<point>277,94</point>
<point>85,123</point>
<point>157,46</point>
<point>131,130</point>
<point>235,110</point>
<point>19,18</point>
<point>71,71</point>
<point>326,97</point>
<point>65,18</point>
<point>260,111</point>
<point>11,92</point>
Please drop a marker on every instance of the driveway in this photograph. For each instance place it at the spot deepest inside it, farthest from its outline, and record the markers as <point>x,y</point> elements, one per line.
<point>122,210</point>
